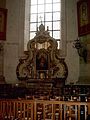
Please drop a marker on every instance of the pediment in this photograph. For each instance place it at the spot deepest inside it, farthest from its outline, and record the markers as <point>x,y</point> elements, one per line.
<point>41,40</point>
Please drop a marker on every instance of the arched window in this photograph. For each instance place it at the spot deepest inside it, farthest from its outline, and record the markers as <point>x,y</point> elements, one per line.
<point>47,12</point>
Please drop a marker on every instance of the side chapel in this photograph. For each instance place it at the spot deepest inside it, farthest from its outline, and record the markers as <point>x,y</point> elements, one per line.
<point>41,65</point>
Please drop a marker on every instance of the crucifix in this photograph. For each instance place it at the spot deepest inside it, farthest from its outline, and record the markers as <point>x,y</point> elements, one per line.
<point>40,19</point>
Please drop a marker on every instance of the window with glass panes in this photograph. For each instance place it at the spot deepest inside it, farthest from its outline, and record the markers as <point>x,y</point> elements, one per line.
<point>47,12</point>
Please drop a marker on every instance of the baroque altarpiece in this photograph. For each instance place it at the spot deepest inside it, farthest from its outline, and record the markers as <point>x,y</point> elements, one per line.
<point>41,65</point>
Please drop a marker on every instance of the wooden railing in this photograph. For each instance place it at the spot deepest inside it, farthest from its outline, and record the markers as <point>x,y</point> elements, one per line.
<point>43,110</point>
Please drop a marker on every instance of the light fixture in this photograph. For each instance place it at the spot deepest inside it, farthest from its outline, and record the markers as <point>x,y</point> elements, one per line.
<point>81,49</point>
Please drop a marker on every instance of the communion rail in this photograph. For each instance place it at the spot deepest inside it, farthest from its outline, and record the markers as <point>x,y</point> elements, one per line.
<point>43,110</point>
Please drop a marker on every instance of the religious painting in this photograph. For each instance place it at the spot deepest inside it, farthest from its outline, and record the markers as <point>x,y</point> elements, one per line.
<point>3,20</point>
<point>83,12</point>
<point>41,61</point>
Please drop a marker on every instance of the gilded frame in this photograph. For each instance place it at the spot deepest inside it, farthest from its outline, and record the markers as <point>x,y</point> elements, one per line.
<point>83,15</point>
<point>3,22</point>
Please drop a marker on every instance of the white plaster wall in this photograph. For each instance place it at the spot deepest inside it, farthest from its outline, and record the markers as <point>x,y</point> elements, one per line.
<point>27,24</point>
<point>13,48</point>
<point>72,58</point>
<point>84,77</point>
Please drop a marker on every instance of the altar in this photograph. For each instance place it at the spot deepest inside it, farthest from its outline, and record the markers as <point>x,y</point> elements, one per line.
<point>42,64</point>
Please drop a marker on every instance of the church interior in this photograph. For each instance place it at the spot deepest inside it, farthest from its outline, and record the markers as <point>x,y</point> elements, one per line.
<point>43,77</point>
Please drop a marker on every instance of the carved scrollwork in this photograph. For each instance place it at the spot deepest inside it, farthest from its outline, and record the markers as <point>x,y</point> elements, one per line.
<point>60,70</point>
<point>42,60</point>
<point>24,68</point>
